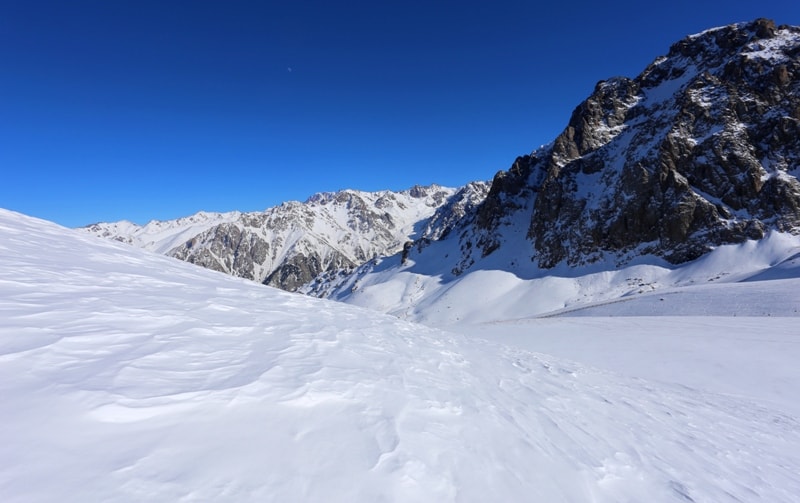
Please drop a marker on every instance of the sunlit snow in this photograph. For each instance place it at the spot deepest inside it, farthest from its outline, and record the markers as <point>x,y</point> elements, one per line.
<point>128,376</point>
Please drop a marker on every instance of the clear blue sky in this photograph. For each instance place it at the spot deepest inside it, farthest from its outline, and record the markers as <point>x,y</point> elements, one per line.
<point>148,109</point>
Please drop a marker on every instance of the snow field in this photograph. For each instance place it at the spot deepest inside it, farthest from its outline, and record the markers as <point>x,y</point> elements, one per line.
<point>128,376</point>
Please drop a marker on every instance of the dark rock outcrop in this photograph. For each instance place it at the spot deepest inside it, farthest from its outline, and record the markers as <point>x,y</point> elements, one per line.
<point>701,149</point>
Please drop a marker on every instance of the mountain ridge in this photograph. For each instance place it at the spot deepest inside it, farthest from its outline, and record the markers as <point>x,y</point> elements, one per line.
<point>291,244</point>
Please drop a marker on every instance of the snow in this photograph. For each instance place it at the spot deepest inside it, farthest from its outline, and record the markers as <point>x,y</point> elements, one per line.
<point>751,357</point>
<point>773,49</point>
<point>129,376</point>
<point>420,290</point>
<point>666,90</point>
<point>162,236</point>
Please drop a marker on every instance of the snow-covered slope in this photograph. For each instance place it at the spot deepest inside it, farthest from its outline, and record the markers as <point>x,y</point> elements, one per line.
<point>723,282</point>
<point>754,358</point>
<point>129,376</point>
<point>290,245</point>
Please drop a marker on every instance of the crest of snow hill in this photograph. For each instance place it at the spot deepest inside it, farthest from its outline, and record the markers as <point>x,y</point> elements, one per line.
<point>701,149</point>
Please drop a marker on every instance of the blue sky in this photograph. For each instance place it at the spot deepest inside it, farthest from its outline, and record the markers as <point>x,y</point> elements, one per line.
<point>145,109</point>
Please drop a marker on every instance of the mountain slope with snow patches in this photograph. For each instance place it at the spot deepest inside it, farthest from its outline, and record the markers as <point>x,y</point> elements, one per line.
<point>130,376</point>
<point>292,244</point>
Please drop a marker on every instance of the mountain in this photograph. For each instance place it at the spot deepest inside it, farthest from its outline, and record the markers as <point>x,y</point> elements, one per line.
<point>290,245</point>
<point>130,376</point>
<point>698,152</point>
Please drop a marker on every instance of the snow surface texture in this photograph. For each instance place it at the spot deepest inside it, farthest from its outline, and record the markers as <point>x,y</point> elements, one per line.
<point>128,376</point>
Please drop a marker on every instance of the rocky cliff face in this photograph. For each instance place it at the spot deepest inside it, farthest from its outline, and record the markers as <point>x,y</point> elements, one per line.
<point>290,245</point>
<point>701,149</point>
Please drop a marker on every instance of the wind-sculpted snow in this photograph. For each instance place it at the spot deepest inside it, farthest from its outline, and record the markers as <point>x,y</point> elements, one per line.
<point>128,376</point>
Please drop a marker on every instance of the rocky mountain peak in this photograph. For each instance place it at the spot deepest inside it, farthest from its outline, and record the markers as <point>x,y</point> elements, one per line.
<point>699,150</point>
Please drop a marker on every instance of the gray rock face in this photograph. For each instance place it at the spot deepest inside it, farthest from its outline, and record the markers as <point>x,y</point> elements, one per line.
<point>228,248</point>
<point>701,149</point>
<point>301,269</point>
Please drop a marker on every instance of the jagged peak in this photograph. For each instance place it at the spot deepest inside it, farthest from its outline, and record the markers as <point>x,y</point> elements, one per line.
<point>418,191</point>
<point>728,37</point>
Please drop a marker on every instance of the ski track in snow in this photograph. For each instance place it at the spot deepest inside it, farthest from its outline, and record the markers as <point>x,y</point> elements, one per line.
<point>127,376</point>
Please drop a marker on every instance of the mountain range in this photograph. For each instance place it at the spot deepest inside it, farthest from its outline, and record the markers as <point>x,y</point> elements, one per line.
<point>698,151</point>
<point>292,245</point>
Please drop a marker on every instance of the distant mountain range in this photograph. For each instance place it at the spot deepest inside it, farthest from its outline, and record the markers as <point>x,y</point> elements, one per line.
<point>700,150</point>
<point>293,244</point>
